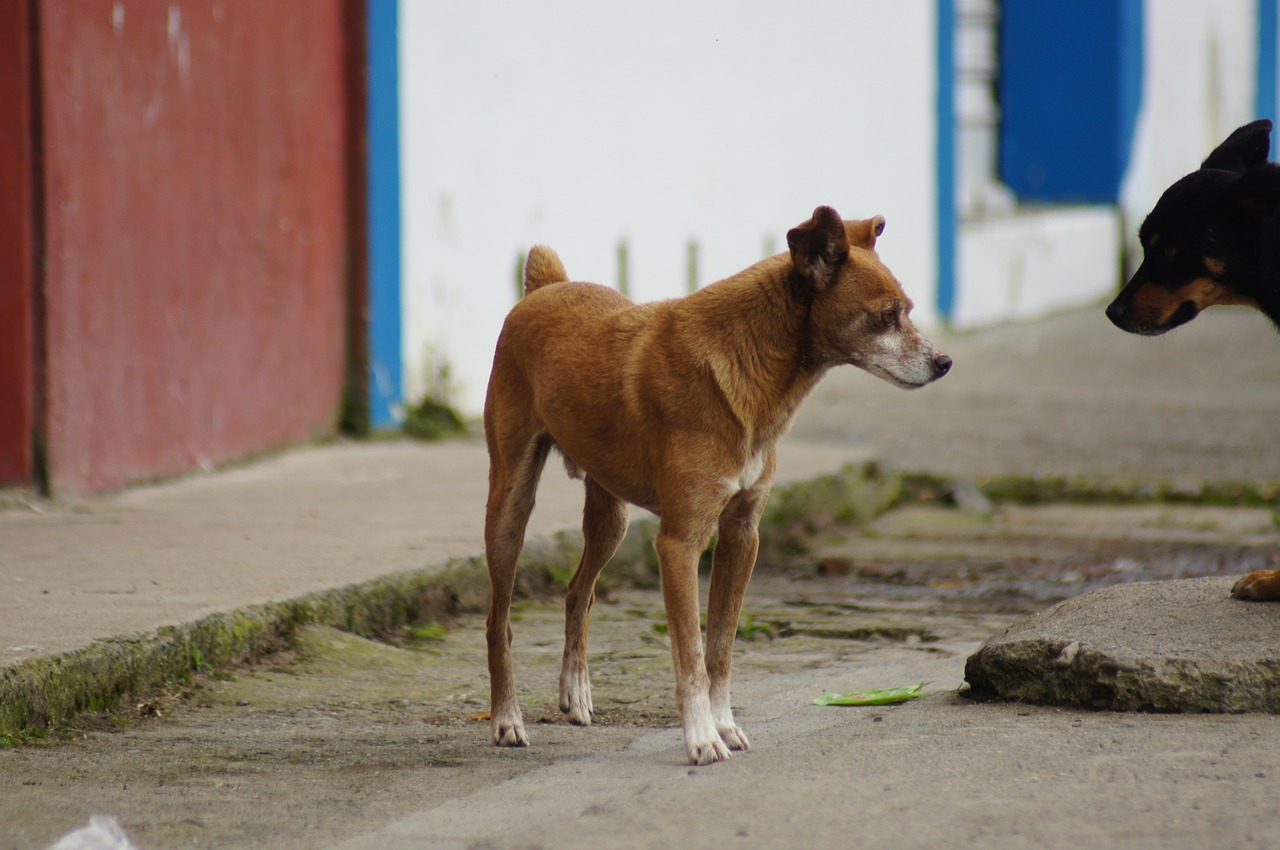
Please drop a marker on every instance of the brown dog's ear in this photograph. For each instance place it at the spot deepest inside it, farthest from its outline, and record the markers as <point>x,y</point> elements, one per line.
<point>862,233</point>
<point>818,247</point>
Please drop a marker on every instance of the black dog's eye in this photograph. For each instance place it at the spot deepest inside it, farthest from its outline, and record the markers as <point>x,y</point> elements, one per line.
<point>1169,252</point>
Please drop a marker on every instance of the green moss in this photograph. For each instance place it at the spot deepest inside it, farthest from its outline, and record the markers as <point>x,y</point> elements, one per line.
<point>797,513</point>
<point>425,633</point>
<point>1038,490</point>
<point>433,420</point>
<point>749,628</point>
<point>924,488</point>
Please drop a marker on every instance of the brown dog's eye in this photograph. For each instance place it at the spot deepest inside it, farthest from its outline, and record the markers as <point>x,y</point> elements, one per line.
<point>889,317</point>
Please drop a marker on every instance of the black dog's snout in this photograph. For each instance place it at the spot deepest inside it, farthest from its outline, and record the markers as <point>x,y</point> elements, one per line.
<point>1115,311</point>
<point>942,363</point>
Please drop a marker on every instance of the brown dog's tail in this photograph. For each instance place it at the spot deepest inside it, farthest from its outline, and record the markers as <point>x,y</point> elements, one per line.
<point>542,267</point>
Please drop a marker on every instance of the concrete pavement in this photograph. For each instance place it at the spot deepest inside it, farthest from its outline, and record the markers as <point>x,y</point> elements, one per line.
<point>1066,396</point>
<point>939,772</point>
<point>1069,396</point>
<point>123,591</point>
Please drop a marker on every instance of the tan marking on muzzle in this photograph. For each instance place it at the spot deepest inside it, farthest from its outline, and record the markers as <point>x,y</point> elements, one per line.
<point>1157,305</point>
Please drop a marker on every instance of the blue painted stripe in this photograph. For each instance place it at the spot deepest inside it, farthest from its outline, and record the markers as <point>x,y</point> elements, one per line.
<point>1133,60</point>
<point>946,156</point>
<point>1265,94</point>
<point>386,374</point>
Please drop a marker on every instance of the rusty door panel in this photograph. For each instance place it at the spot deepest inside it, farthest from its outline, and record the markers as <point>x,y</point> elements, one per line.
<point>17,281</point>
<point>194,177</point>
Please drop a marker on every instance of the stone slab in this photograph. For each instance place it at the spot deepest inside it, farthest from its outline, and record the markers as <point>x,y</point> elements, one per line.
<point>1177,646</point>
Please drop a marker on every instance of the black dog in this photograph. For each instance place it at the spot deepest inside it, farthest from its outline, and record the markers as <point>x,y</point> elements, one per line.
<point>1213,238</point>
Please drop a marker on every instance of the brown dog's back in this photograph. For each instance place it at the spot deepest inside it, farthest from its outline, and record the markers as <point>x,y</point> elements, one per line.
<point>585,343</point>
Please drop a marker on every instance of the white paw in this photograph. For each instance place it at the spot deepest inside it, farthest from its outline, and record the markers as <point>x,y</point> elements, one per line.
<point>733,736</point>
<point>508,731</point>
<point>707,751</point>
<point>730,732</point>
<point>702,741</point>
<point>575,696</point>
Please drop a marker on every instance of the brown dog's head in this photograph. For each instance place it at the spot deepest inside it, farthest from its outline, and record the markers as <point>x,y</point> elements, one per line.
<point>859,313</point>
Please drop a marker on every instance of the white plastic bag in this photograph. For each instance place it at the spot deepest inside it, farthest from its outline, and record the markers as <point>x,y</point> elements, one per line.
<point>102,833</point>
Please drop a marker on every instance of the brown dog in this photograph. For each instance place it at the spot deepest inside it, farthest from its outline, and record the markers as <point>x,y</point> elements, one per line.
<point>675,406</point>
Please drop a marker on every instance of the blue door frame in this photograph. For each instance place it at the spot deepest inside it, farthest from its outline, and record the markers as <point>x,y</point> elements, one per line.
<point>945,298</point>
<point>1265,94</point>
<point>386,374</point>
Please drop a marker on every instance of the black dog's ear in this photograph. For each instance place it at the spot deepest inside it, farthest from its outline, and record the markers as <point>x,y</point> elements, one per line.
<point>1245,148</point>
<point>818,247</point>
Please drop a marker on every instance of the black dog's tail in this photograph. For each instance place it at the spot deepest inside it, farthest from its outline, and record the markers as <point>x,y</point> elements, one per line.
<point>543,267</point>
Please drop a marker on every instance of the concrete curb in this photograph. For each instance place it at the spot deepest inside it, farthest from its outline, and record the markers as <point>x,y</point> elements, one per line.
<point>44,693</point>
<point>1049,489</point>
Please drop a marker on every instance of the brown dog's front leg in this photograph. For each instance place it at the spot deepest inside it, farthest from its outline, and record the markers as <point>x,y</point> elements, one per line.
<point>678,553</point>
<point>735,558</point>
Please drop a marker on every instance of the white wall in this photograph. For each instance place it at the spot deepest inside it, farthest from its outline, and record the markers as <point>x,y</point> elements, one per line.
<point>1198,86</point>
<point>577,123</point>
<point>1036,262</point>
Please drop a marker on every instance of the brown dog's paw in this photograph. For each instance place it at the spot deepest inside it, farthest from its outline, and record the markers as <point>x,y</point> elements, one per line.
<point>508,731</point>
<point>1258,586</point>
<point>733,737</point>
<point>575,695</point>
<point>707,752</point>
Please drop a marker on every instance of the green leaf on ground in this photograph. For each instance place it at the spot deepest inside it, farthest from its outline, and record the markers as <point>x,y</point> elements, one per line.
<point>886,696</point>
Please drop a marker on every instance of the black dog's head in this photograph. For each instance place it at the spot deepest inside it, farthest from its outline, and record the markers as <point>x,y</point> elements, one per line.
<point>1200,242</point>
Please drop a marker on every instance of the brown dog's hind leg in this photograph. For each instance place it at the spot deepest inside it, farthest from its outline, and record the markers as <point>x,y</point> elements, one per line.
<point>604,524</point>
<point>1258,586</point>
<point>733,562</point>
<point>514,468</point>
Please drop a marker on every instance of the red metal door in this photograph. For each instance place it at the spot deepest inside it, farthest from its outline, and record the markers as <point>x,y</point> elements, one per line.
<point>195,166</point>
<point>17,281</point>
